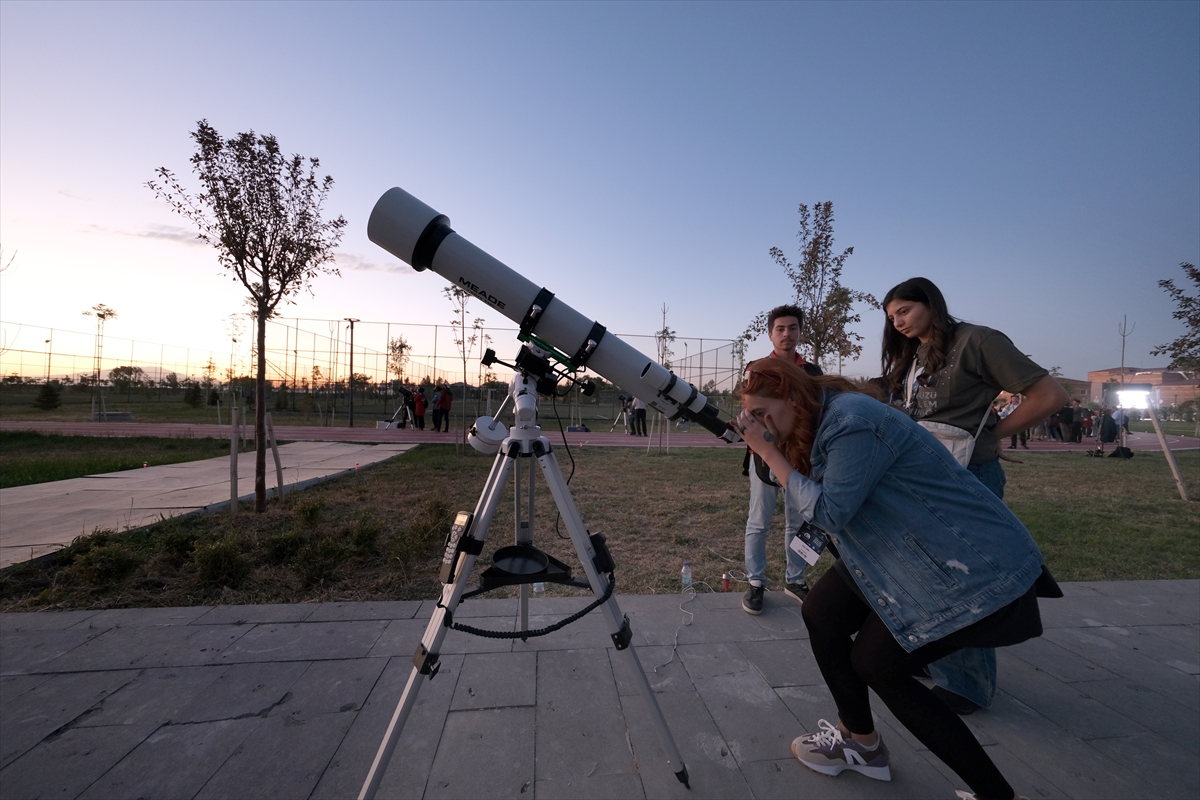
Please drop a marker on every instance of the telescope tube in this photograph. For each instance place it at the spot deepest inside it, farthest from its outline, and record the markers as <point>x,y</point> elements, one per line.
<point>423,238</point>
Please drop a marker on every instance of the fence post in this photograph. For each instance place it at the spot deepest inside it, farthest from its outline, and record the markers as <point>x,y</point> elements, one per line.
<point>233,461</point>
<point>275,452</point>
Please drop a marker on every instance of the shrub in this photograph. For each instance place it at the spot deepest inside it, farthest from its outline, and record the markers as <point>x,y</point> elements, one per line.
<point>281,547</point>
<point>364,536</point>
<point>308,511</point>
<point>221,562</point>
<point>105,564</point>
<point>49,397</point>
<point>194,395</point>
<point>318,563</point>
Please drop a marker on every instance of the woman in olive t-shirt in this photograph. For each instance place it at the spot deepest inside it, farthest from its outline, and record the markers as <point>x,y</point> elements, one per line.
<point>949,371</point>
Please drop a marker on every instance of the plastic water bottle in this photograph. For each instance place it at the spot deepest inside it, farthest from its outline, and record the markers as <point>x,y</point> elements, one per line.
<point>539,589</point>
<point>685,575</point>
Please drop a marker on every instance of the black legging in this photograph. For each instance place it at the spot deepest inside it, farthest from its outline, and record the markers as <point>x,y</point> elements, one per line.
<point>833,613</point>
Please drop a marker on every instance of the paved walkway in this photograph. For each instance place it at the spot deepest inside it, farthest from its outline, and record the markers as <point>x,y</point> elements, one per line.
<point>38,519</point>
<point>599,438</point>
<point>292,701</point>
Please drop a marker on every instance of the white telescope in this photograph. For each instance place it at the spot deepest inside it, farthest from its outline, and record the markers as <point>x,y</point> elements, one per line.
<point>423,238</point>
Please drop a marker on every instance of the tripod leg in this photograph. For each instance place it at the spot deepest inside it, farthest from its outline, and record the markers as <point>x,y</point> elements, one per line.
<point>618,623</point>
<point>425,660</point>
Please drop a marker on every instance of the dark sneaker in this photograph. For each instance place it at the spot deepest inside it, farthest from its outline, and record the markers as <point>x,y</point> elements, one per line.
<point>959,704</point>
<point>828,753</point>
<point>752,600</point>
<point>798,591</point>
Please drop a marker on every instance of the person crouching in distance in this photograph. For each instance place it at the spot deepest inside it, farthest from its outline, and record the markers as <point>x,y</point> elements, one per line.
<point>906,588</point>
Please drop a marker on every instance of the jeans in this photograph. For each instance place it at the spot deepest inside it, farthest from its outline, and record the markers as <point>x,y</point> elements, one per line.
<point>971,672</point>
<point>758,522</point>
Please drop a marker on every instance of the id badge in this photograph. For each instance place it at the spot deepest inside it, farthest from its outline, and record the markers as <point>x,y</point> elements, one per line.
<point>809,542</point>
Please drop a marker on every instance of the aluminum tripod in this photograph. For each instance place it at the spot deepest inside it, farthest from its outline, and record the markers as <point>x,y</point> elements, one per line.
<point>518,565</point>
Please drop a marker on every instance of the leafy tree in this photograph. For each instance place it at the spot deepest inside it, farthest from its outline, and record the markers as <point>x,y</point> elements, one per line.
<point>126,379</point>
<point>663,339</point>
<point>49,397</point>
<point>193,395</point>
<point>828,306</point>
<point>1185,350</point>
<point>262,211</point>
<point>398,353</point>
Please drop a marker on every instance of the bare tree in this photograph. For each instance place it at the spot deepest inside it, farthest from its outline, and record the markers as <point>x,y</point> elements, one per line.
<point>262,211</point>
<point>465,338</point>
<point>828,306</point>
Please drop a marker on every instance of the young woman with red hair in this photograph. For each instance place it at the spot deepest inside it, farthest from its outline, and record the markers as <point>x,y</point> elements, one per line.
<point>929,561</point>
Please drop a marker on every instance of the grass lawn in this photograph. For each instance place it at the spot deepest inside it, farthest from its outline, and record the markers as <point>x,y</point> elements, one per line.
<point>27,457</point>
<point>376,535</point>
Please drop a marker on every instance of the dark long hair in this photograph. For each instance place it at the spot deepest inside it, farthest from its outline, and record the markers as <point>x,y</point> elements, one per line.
<point>779,380</point>
<point>898,349</point>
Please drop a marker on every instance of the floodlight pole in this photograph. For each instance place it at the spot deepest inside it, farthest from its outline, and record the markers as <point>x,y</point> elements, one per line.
<point>352,320</point>
<point>1162,440</point>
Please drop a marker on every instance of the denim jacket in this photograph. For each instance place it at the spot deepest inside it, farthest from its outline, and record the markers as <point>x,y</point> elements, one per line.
<point>927,543</point>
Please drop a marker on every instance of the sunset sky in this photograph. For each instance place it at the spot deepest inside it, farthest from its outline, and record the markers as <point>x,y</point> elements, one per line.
<point>1039,161</point>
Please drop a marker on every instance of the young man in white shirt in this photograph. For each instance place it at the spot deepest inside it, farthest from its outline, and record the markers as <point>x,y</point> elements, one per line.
<point>783,328</point>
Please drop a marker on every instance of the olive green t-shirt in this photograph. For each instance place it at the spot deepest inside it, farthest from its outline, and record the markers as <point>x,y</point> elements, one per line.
<point>980,364</point>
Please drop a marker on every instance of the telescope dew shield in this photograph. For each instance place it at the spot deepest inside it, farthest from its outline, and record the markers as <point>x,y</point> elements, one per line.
<point>423,238</point>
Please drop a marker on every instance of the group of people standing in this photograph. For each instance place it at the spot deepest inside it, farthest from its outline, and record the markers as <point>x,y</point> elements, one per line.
<point>417,404</point>
<point>1073,422</point>
<point>634,411</point>
<point>901,481</point>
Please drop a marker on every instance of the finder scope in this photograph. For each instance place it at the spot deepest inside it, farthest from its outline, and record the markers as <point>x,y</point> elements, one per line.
<point>423,238</point>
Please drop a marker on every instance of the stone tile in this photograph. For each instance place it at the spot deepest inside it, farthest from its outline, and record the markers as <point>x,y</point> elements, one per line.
<point>1073,711</point>
<point>400,638</point>
<point>752,719</point>
<point>63,766</point>
<point>661,666</point>
<point>1129,664</point>
<point>593,631</point>
<point>334,687</point>
<point>393,609</point>
<point>1026,781</point>
<point>783,663</point>
<point>17,621</point>
<point>152,698</point>
<point>165,646</point>
<point>580,734</point>
<point>1150,709</point>
<point>305,641</point>
<point>1162,768</point>
<point>59,702</point>
<point>1186,635</point>
<point>32,650</point>
<point>710,661</point>
<point>285,757</point>
<point>462,642</point>
<point>621,786</point>
<point>176,761</point>
<point>244,690</point>
<point>1068,764</point>
<point>256,615</point>
<point>497,743</point>
<point>710,762</point>
<point>496,680</point>
<point>408,770</point>
<point>1084,612</point>
<point>13,686</point>
<point>1054,660</point>
<point>1181,657</point>
<point>144,617</point>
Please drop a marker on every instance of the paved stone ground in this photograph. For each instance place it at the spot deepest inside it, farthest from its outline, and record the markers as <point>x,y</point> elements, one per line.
<point>292,701</point>
<point>38,519</point>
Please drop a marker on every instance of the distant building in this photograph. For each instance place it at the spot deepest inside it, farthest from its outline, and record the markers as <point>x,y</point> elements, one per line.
<point>1170,387</point>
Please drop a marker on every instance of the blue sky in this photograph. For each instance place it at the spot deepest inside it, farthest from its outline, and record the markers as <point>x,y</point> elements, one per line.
<point>1040,162</point>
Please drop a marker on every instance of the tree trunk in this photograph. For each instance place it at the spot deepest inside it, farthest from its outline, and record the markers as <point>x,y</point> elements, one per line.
<point>260,417</point>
